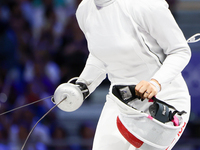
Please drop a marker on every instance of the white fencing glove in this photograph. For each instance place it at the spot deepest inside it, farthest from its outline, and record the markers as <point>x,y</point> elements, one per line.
<point>72,95</point>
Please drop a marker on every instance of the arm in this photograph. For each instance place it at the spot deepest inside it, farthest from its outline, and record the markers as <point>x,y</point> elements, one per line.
<point>72,95</point>
<point>93,73</point>
<point>159,23</point>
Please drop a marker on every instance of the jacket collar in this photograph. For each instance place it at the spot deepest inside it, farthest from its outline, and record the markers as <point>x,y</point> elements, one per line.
<point>103,3</point>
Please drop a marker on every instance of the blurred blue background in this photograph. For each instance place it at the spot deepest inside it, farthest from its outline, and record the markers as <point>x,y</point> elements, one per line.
<point>42,46</point>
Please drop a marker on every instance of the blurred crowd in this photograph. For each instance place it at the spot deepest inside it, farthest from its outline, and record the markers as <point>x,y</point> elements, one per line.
<point>41,46</point>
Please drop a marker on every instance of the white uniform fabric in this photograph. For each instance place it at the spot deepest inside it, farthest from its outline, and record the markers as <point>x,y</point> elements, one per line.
<point>130,41</point>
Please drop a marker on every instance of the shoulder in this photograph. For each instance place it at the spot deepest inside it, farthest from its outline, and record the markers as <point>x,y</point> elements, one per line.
<point>146,6</point>
<point>82,12</point>
<point>143,11</point>
<point>83,9</point>
<point>149,3</point>
<point>83,6</point>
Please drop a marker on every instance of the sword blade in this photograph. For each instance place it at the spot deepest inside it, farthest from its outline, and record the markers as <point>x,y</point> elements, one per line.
<point>25,105</point>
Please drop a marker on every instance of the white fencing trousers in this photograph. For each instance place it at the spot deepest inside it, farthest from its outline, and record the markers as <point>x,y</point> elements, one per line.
<point>108,137</point>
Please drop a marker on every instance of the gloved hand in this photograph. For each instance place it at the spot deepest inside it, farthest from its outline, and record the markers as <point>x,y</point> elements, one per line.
<point>72,95</point>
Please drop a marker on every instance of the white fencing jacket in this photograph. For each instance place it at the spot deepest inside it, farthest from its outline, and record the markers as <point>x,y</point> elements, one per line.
<point>133,40</point>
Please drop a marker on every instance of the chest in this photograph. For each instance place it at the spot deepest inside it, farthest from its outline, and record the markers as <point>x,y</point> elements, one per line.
<point>109,31</point>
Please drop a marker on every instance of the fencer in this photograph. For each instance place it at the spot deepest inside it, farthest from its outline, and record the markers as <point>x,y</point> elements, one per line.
<point>135,42</point>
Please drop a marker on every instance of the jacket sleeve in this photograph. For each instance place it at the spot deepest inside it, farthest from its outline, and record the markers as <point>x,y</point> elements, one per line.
<point>93,73</point>
<point>158,21</point>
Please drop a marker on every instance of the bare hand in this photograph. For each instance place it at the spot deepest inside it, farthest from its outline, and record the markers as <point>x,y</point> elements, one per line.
<point>145,89</point>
